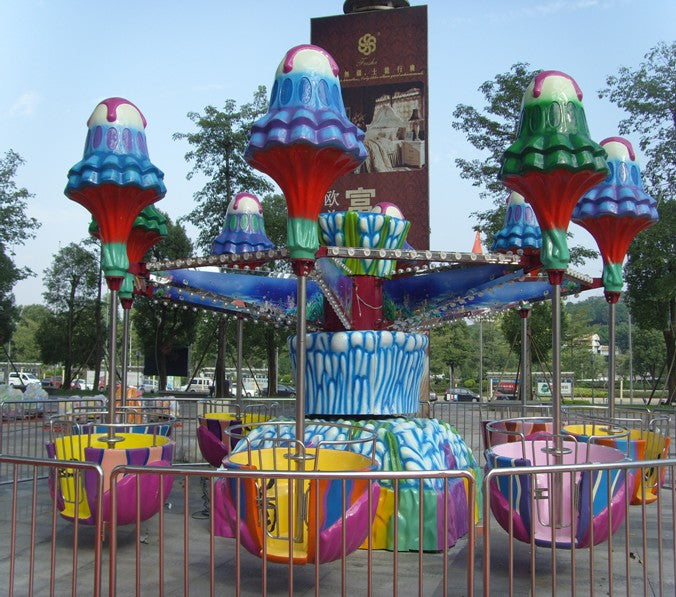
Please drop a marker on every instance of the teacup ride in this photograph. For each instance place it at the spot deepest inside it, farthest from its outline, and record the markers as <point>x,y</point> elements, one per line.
<point>139,439</point>
<point>517,429</point>
<point>640,440</point>
<point>568,509</point>
<point>133,418</point>
<point>304,521</point>
<point>213,441</point>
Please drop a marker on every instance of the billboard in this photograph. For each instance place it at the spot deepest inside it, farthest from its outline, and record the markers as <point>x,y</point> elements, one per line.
<point>382,57</point>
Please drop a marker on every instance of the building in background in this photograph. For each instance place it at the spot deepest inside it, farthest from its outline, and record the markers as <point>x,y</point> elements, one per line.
<point>381,51</point>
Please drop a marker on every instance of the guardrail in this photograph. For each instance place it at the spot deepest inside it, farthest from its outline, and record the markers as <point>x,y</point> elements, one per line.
<point>178,551</point>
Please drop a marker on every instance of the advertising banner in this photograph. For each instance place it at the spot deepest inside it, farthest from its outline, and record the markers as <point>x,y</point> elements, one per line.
<point>382,57</point>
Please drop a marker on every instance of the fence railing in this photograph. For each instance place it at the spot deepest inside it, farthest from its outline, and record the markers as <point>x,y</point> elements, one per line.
<point>25,428</point>
<point>180,551</point>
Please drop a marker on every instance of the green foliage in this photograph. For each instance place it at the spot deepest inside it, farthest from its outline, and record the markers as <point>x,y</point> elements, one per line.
<point>649,353</point>
<point>539,331</point>
<point>9,275</point>
<point>650,273</point>
<point>71,281</point>
<point>451,347</point>
<point>217,153</point>
<point>648,95</point>
<point>491,130</point>
<point>72,287</point>
<point>25,337</point>
<point>275,215</point>
<point>163,329</point>
<point>15,229</point>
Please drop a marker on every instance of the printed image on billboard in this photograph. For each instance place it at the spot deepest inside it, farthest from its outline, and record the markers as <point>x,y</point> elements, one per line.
<point>393,118</point>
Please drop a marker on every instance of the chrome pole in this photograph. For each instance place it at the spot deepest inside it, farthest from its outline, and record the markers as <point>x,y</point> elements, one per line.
<point>525,371</point>
<point>125,356</point>
<point>611,360</point>
<point>557,480</point>
<point>481,359</point>
<point>240,342</point>
<point>301,327</point>
<point>111,438</point>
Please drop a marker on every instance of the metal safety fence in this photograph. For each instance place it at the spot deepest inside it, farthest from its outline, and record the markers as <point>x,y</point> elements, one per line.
<point>467,417</point>
<point>183,550</point>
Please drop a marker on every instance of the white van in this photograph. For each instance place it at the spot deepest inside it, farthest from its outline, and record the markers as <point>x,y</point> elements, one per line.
<point>21,380</point>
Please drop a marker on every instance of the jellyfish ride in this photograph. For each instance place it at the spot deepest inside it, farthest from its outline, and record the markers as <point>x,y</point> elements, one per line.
<point>141,439</point>
<point>552,163</point>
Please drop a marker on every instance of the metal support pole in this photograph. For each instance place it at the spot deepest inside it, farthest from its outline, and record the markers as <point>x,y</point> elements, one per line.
<point>240,341</point>
<point>631,361</point>
<point>557,481</point>
<point>301,327</point>
<point>111,438</point>
<point>611,360</point>
<point>556,360</point>
<point>481,359</point>
<point>525,371</point>
<point>125,356</point>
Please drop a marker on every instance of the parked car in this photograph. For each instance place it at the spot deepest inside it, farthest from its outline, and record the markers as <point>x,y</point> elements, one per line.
<point>21,380</point>
<point>198,384</point>
<point>79,384</point>
<point>52,383</point>
<point>461,395</point>
<point>149,387</point>
<point>282,390</point>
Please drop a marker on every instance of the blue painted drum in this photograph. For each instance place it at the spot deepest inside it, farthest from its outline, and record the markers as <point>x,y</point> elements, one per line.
<point>362,372</point>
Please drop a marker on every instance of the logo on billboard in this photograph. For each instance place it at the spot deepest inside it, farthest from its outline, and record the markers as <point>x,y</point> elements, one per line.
<point>366,44</point>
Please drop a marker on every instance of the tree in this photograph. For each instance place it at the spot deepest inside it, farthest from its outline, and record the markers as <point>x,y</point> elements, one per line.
<point>71,284</point>
<point>539,331</point>
<point>650,273</point>
<point>451,349</point>
<point>218,154</point>
<point>491,131</point>
<point>9,275</point>
<point>25,338</point>
<point>648,95</point>
<point>161,329</point>
<point>15,229</point>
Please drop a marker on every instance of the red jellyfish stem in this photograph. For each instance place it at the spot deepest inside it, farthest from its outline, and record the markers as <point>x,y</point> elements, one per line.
<point>127,303</point>
<point>555,276</point>
<point>114,282</point>
<point>302,267</point>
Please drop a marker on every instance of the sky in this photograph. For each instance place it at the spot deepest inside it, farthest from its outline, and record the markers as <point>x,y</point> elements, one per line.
<point>58,59</point>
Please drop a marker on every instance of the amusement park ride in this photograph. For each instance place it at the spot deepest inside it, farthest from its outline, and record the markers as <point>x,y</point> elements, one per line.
<point>361,300</point>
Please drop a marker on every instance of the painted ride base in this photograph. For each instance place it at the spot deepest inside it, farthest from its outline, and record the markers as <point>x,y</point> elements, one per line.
<point>135,449</point>
<point>402,444</point>
<point>582,515</point>
<point>317,530</point>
